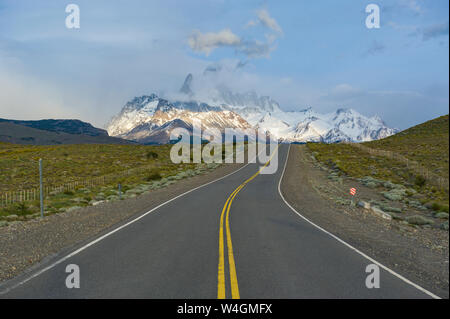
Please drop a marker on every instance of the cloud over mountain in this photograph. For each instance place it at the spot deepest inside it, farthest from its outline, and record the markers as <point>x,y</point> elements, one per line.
<point>207,42</point>
<point>266,20</point>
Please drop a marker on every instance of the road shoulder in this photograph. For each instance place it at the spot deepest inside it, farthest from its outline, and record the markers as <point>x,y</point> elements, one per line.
<point>419,254</point>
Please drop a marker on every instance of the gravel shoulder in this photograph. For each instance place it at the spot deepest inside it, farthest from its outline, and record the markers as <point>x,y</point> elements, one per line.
<point>419,253</point>
<point>26,244</point>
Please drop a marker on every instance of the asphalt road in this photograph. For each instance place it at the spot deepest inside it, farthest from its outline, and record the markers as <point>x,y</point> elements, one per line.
<point>180,250</point>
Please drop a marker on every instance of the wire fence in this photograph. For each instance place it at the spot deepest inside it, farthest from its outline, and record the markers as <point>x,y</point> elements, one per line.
<point>32,194</point>
<point>430,177</point>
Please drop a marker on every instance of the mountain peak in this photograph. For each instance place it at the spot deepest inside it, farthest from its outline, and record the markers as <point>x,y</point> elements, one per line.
<point>342,110</point>
<point>186,88</point>
<point>308,109</point>
<point>140,102</point>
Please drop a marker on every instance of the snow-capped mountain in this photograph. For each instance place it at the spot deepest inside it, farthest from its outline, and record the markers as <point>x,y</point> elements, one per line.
<point>310,126</point>
<point>149,118</point>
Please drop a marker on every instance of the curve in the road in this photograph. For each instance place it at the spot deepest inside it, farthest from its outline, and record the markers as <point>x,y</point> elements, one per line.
<point>77,251</point>
<point>231,263</point>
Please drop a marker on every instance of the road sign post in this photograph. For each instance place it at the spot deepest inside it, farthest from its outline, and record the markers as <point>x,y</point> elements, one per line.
<point>41,195</point>
<point>352,193</point>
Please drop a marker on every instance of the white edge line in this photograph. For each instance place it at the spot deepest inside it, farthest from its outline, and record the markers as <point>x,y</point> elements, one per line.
<point>113,231</point>
<point>348,245</point>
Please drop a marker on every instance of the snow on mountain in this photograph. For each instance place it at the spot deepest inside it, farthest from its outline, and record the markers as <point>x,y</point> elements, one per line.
<point>149,118</point>
<point>342,125</point>
<point>136,112</point>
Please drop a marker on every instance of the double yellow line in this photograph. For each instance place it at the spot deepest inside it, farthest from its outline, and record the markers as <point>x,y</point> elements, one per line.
<point>232,266</point>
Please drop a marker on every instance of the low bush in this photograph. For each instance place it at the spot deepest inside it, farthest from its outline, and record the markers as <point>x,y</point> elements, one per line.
<point>418,220</point>
<point>420,181</point>
<point>152,155</point>
<point>439,207</point>
<point>20,209</point>
<point>153,175</point>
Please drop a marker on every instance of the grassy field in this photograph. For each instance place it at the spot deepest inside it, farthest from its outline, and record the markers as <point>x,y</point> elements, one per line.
<point>69,163</point>
<point>426,143</point>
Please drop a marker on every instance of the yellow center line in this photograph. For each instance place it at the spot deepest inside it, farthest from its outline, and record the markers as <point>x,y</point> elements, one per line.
<point>232,266</point>
<point>221,271</point>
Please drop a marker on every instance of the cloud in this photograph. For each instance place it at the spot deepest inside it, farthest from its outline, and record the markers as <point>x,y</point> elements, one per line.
<point>251,23</point>
<point>266,20</point>
<point>241,64</point>
<point>402,6</point>
<point>252,48</point>
<point>404,108</point>
<point>255,48</point>
<point>26,97</point>
<point>435,31</point>
<point>343,91</point>
<point>427,33</point>
<point>400,27</point>
<point>412,5</point>
<point>375,48</point>
<point>207,42</point>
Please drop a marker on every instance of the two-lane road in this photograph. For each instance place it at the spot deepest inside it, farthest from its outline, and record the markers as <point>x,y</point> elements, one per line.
<point>182,249</point>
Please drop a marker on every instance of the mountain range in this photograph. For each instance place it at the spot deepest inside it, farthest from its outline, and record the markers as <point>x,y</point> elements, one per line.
<point>149,119</point>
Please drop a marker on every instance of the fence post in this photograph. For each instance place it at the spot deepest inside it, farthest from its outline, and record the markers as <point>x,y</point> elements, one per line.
<point>41,188</point>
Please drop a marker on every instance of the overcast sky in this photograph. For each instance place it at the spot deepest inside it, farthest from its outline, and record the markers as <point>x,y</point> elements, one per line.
<point>301,53</point>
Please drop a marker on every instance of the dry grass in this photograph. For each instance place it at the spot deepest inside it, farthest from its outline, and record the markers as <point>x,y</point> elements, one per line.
<point>69,163</point>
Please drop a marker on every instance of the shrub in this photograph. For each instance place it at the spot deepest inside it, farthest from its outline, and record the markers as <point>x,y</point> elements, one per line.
<point>418,220</point>
<point>20,209</point>
<point>395,194</point>
<point>439,208</point>
<point>435,206</point>
<point>68,192</point>
<point>420,181</point>
<point>153,175</point>
<point>152,155</point>
<point>441,215</point>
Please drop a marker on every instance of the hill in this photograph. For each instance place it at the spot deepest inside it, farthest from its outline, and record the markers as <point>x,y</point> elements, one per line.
<point>61,126</point>
<point>54,132</point>
<point>426,143</point>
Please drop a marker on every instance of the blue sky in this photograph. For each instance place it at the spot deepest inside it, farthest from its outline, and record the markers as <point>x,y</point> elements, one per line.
<point>302,53</point>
